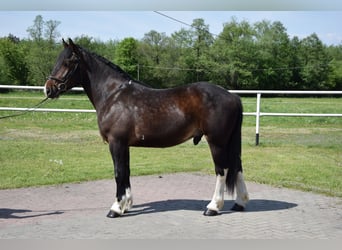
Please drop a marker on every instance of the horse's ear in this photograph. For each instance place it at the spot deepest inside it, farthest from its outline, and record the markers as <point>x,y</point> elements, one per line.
<point>71,42</point>
<point>64,43</point>
<point>73,47</point>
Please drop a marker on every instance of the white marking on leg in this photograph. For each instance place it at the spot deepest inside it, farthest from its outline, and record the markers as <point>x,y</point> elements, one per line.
<point>116,207</point>
<point>242,197</point>
<point>217,201</point>
<point>124,204</point>
<point>129,200</point>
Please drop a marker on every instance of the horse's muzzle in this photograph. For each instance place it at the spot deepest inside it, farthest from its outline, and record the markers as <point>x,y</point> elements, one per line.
<point>51,89</point>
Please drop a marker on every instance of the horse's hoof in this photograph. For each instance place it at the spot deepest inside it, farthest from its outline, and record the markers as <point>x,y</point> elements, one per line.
<point>209,212</point>
<point>113,214</point>
<point>237,208</point>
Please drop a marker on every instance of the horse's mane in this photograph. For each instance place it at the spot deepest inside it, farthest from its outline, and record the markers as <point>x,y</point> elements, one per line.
<point>105,61</point>
<point>111,65</point>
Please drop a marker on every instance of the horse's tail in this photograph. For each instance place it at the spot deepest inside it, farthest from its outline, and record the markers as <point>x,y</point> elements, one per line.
<point>234,150</point>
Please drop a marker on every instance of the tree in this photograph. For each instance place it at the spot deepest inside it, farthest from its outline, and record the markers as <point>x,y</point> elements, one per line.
<point>243,56</point>
<point>335,76</point>
<point>40,58</point>
<point>233,56</point>
<point>202,40</point>
<point>150,51</point>
<point>51,32</point>
<point>188,52</point>
<point>41,29</point>
<point>273,55</point>
<point>36,30</point>
<point>158,58</point>
<point>4,67</point>
<point>295,64</point>
<point>315,64</point>
<point>183,55</point>
<point>126,56</point>
<point>4,71</point>
<point>41,51</point>
<point>156,45</point>
<point>13,38</point>
<point>15,66</point>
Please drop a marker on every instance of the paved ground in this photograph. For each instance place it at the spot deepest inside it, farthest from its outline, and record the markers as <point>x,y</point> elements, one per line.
<point>168,206</point>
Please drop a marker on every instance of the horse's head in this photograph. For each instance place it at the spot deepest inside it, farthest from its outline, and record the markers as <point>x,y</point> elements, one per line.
<point>65,74</point>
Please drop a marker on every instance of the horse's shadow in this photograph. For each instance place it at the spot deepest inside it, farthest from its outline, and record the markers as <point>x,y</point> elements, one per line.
<point>8,213</point>
<point>256,205</point>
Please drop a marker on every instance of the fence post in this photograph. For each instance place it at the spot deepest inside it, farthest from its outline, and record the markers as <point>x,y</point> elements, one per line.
<point>257,123</point>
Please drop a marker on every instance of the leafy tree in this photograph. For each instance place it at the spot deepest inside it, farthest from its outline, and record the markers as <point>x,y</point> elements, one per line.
<point>41,52</point>
<point>126,56</point>
<point>109,49</point>
<point>86,42</point>
<point>106,50</point>
<point>41,29</point>
<point>51,32</point>
<point>233,55</point>
<point>202,40</point>
<point>243,56</point>
<point>187,53</point>
<point>315,63</point>
<point>150,51</point>
<point>156,42</point>
<point>335,76</point>
<point>158,60</point>
<point>273,50</point>
<point>40,58</point>
<point>13,59</point>
<point>183,55</point>
<point>182,39</point>
<point>13,39</point>
<point>4,71</point>
<point>36,30</point>
<point>295,64</point>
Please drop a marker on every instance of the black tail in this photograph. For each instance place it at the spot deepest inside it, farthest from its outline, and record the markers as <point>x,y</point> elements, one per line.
<point>234,151</point>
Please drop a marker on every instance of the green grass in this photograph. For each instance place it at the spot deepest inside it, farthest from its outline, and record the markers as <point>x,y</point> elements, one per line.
<point>53,148</point>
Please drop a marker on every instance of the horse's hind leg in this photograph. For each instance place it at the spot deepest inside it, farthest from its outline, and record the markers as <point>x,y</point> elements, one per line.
<point>222,163</point>
<point>124,199</point>
<point>217,202</point>
<point>241,194</point>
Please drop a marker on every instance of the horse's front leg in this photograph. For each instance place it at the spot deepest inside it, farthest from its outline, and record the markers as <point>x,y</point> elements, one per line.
<point>124,199</point>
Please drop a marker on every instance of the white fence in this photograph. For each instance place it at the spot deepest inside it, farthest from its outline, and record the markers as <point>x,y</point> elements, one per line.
<point>257,113</point>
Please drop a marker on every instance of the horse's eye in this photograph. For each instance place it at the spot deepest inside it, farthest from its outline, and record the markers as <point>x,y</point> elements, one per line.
<point>69,62</point>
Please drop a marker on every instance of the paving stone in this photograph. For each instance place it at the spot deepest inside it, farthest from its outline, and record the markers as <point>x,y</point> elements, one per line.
<point>166,207</point>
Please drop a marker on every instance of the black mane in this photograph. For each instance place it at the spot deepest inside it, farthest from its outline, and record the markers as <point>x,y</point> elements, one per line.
<point>107,62</point>
<point>112,65</point>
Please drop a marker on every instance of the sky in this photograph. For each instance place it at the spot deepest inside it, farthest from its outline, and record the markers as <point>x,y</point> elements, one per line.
<point>116,25</point>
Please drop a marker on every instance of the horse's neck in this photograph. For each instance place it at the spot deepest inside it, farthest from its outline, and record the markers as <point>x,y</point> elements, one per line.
<point>100,81</point>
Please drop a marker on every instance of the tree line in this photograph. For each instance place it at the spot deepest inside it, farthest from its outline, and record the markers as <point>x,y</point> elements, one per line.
<point>242,56</point>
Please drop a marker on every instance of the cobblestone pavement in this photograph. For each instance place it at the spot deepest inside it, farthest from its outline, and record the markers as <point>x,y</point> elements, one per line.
<point>166,207</point>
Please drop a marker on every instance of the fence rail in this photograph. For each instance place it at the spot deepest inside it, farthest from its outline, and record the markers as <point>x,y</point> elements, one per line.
<point>257,113</point>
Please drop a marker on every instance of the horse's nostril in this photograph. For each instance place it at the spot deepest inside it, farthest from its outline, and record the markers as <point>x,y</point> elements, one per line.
<point>47,92</point>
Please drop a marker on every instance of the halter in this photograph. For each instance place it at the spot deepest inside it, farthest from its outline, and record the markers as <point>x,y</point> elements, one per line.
<point>62,83</point>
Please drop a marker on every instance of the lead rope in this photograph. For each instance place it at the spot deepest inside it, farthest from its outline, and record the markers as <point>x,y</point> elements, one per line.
<point>26,110</point>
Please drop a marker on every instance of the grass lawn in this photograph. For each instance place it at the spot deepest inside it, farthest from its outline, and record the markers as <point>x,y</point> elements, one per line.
<point>53,148</point>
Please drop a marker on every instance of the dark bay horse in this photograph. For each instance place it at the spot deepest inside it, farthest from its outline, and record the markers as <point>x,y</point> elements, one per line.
<point>130,113</point>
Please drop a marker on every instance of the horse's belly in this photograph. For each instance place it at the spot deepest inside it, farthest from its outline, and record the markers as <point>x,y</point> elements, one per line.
<point>163,137</point>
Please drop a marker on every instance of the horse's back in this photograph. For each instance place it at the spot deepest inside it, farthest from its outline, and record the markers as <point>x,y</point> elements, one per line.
<point>218,99</point>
